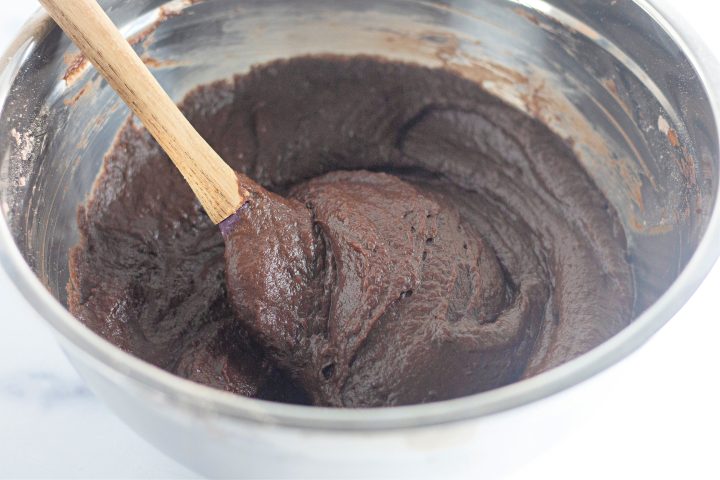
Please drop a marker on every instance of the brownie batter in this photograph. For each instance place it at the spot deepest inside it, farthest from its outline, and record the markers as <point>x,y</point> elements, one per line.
<point>419,240</point>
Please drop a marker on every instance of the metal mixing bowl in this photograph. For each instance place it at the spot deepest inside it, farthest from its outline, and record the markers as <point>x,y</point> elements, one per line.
<point>629,87</point>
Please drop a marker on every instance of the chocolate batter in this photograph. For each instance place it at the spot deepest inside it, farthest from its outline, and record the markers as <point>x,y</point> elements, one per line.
<point>420,240</point>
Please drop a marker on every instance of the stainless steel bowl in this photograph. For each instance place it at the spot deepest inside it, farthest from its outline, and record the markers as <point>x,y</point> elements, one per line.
<point>624,82</point>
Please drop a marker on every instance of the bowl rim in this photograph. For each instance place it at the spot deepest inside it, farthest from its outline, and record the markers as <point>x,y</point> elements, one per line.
<point>186,394</point>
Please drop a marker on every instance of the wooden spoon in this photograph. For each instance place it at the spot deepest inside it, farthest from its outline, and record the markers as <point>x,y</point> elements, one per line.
<point>220,189</point>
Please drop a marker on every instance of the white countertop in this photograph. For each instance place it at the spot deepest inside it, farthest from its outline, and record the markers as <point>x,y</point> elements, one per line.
<point>658,415</point>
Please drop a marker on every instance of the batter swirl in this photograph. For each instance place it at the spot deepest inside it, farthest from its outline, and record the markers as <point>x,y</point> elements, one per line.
<point>433,242</point>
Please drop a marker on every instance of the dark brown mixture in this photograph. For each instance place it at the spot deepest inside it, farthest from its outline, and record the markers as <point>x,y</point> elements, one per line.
<point>424,241</point>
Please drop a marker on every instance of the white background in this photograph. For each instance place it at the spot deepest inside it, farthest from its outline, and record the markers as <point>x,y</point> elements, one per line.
<point>657,415</point>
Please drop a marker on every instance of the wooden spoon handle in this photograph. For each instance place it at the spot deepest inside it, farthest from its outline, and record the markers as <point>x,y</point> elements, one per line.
<point>215,184</point>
